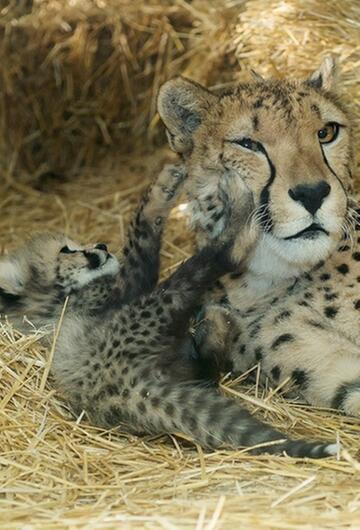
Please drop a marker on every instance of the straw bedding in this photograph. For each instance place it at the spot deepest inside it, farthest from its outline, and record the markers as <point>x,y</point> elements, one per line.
<point>56,473</point>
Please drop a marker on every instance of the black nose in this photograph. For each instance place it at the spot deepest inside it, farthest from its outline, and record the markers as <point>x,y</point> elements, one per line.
<point>101,246</point>
<point>311,196</point>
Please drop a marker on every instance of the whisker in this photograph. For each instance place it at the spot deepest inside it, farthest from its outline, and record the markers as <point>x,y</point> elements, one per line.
<point>352,219</point>
<point>259,214</point>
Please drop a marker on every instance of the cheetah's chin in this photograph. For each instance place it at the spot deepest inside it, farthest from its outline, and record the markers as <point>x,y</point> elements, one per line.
<point>307,249</point>
<point>275,257</point>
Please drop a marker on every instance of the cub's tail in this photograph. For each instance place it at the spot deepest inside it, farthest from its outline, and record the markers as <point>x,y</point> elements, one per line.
<point>209,418</point>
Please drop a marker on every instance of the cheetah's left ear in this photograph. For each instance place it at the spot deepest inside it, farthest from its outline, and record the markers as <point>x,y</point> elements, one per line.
<point>182,105</point>
<point>325,76</point>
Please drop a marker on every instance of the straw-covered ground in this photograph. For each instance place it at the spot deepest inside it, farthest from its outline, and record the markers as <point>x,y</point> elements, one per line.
<point>58,473</point>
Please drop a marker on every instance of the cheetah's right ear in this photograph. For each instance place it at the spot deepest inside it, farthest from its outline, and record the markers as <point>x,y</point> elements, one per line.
<point>326,75</point>
<point>182,104</point>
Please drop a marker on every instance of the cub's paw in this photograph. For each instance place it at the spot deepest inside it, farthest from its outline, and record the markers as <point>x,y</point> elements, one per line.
<point>161,197</point>
<point>241,230</point>
<point>240,203</point>
<point>215,331</point>
<point>168,184</point>
<point>209,214</point>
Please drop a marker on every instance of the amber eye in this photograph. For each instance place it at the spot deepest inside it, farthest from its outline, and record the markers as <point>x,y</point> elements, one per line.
<point>328,133</point>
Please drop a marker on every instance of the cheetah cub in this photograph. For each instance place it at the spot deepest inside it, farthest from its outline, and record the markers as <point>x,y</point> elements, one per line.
<point>124,353</point>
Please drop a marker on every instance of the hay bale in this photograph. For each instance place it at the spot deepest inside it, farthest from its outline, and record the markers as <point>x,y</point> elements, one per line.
<point>80,78</point>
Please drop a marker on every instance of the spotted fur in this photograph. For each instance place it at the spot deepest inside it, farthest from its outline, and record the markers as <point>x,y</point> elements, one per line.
<point>124,354</point>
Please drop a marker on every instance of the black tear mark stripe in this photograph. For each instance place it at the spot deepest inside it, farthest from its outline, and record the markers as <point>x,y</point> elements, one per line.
<point>331,169</point>
<point>265,193</point>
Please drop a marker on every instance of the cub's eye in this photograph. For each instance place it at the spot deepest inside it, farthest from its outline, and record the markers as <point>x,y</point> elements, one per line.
<point>328,133</point>
<point>247,143</point>
<point>67,250</point>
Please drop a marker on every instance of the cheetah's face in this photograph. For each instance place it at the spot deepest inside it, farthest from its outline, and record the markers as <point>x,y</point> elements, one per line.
<point>76,266</point>
<point>288,142</point>
<point>50,261</point>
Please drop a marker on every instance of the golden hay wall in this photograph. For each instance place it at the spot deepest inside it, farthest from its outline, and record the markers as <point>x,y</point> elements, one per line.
<point>79,79</point>
<point>76,77</point>
<point>78,83</point>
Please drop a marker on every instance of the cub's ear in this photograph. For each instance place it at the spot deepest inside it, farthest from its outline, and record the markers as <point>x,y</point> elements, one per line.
<point>11,278</point>
<point>182,105</point>
<point>325,76</point>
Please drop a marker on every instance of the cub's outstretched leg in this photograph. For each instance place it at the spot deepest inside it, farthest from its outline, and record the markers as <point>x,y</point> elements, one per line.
<point>139,270</point>
<point>203,414</point>
<point>178,296</point>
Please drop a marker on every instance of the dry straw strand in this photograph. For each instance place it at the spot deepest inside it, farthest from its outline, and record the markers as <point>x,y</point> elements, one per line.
<point>78,83</point>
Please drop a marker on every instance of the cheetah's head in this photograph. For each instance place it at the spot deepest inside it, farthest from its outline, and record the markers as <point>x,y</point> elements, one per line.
<point>49,263</point>
<point>290,144</point>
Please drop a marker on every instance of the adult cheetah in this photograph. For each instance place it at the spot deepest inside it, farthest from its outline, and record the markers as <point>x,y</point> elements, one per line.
<point>296,307</point>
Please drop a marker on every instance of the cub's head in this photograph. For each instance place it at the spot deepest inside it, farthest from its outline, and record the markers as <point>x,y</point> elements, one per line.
<point>289,142</point>
<point>48,264</point>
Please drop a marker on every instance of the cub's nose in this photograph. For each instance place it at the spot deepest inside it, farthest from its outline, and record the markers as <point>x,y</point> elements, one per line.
<point>94,260</point>
<point>311,196</point>
<point>101,246</point>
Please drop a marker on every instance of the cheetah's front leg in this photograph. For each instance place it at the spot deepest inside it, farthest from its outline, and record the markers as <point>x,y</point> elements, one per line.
<point>323,363</point>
